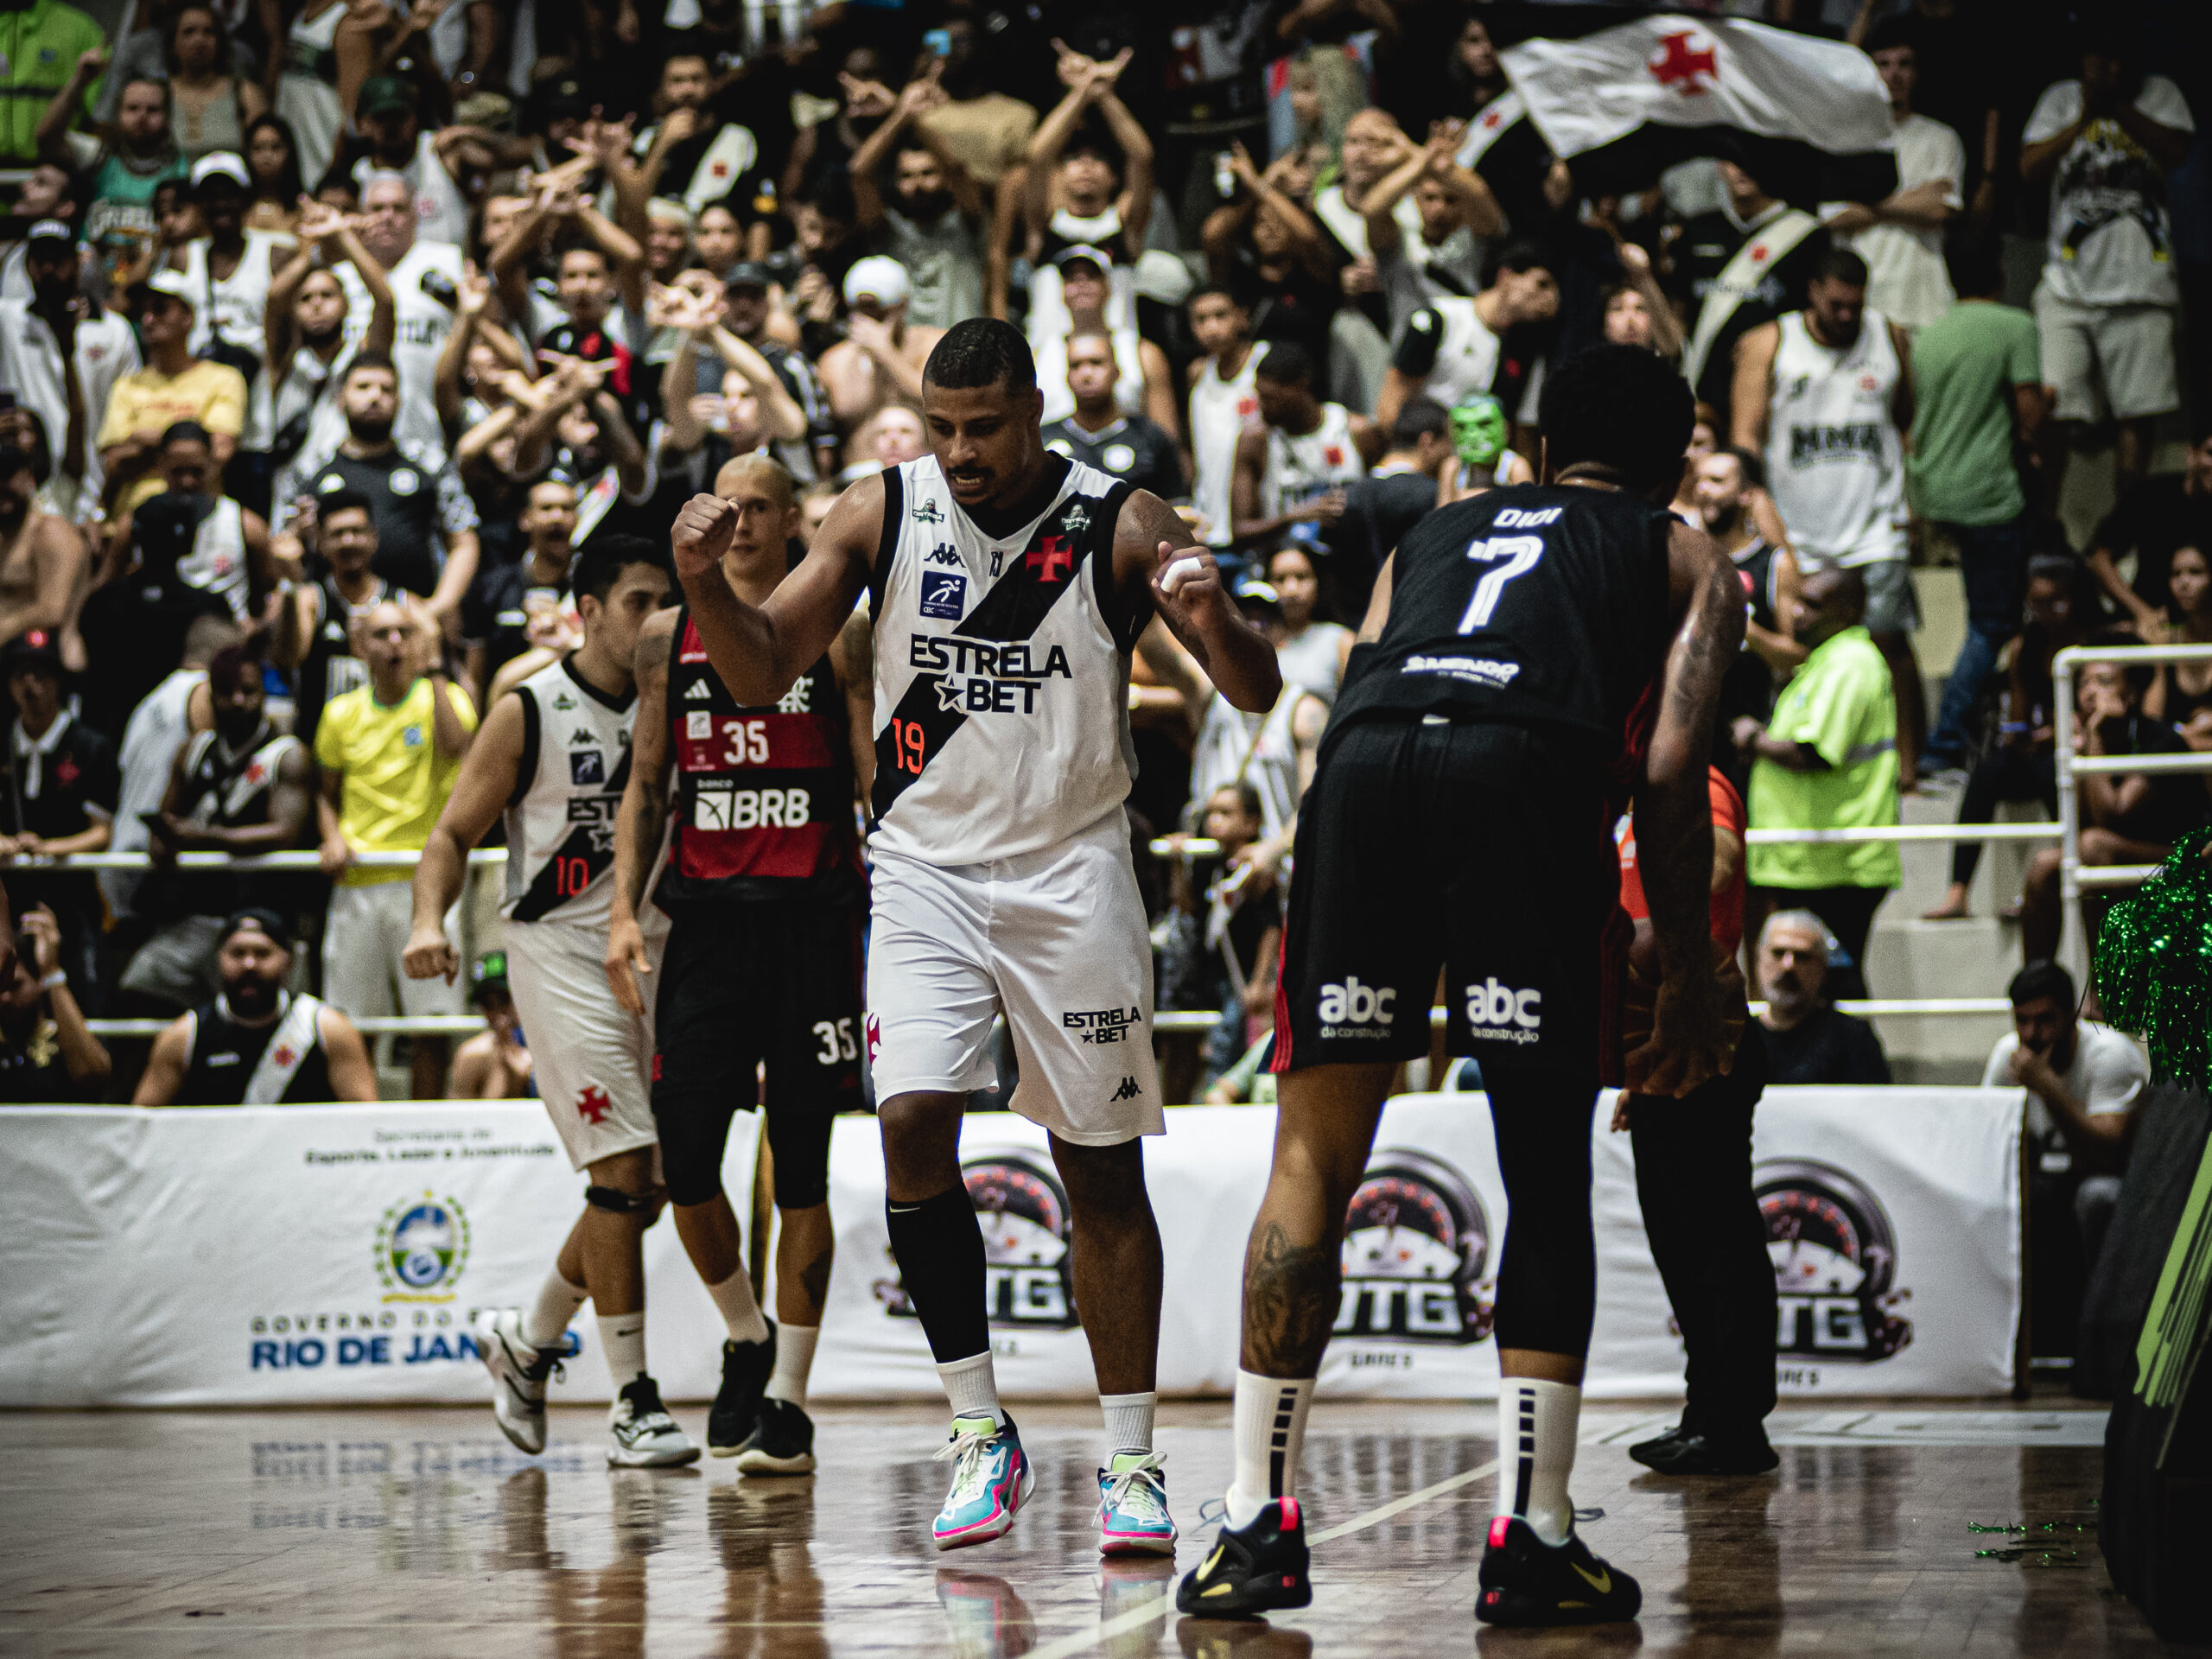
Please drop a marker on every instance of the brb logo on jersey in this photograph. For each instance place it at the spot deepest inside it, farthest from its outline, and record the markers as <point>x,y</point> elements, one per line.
<point>1498,1013</point>
<point>1023,1211</point>
<point>944,594</point>
<point>1416,1252</point>
<point>1835,1264</point>
<point>1353,1010</point>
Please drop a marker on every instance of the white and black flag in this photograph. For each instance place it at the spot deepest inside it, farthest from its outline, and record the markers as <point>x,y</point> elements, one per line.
<point>1807,118</point>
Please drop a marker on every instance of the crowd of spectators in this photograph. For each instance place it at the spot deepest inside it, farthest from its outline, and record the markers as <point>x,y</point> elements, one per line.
<point>330,329</point>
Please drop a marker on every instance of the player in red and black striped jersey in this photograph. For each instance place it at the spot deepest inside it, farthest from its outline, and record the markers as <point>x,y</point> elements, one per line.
<point>766,899</point>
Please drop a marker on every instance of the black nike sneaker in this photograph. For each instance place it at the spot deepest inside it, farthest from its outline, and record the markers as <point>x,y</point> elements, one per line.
<point>745,1368</point>
<point>782,1441</point>
<point>1252,1570</point>
<point>1526,1581</point>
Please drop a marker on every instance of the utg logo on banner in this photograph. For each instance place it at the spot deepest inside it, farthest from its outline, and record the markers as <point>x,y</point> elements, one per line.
<point>1835,1264</point>
<point>1415,1254</point>
<point>1023,1211</point>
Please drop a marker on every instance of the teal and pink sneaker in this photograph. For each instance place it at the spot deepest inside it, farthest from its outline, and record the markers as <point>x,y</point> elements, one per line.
<point>1132,1518</point>
<point>991,1478</point>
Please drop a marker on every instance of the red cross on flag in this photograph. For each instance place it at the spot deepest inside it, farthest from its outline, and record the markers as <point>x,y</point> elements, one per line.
<point>1807,118</point>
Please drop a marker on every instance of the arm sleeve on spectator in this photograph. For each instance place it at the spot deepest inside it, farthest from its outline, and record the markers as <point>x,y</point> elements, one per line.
<point>1416,352</point>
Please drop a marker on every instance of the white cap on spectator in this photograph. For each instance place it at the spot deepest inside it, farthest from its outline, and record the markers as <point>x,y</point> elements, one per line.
<point>222,163</point>
<point>881,275</point>
<point>1163,276</point>
<point>51,230</point>
<point>1084,251</point>
<point>171,283</point>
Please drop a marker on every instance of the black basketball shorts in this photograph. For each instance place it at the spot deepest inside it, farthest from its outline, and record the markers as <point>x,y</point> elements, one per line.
<point>742,985</point>
<point>1484,849</point>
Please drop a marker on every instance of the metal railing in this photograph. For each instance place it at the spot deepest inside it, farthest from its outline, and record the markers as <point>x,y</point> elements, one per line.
<point>2073,875</point>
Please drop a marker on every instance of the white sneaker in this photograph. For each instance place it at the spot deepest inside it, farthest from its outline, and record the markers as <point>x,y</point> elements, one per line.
<point>518,1372</point>
<point>645,1436</point>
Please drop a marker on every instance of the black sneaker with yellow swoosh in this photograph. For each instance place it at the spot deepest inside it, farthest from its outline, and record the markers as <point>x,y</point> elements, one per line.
<point>1251,1570</point>
<point>1527,1581</point>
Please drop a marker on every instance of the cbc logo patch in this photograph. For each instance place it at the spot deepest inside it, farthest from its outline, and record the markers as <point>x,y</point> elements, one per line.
<point>1023,1211</point>
<point>1498,1013</point>
<point>1835,1264</point>
<point>1415,1253</point>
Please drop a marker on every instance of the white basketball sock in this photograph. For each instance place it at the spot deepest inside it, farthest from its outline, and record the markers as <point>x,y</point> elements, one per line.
<point>545,1321</point>
<point>972,1386</point>
<point>1271,1434</point>
<point>623,1336</point>
<point>1535,1454</point>
<point>740,1312</point>
<point>1128,1422</point>
<point>794,1359</point>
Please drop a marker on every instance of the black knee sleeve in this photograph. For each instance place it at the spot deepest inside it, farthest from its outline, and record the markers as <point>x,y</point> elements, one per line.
<point>1548,1273</point>
<point>615,1201</point>
<point>693,1129</point>
<point>798,1141</point>
<point>940,1247</point>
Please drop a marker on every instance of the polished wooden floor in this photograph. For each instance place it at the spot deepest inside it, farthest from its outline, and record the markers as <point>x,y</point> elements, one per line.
<point>336,1533</point>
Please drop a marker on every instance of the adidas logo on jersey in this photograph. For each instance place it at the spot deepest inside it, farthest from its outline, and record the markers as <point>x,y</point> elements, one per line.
<point>1502,1015</point>
<point>1353,1010</point>
<point>698,693</point>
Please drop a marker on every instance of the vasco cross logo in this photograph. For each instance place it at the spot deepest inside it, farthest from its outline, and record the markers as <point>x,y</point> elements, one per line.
<point>421,1245</point>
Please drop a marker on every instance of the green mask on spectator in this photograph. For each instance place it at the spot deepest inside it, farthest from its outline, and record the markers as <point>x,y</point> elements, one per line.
<point>1479,430</point>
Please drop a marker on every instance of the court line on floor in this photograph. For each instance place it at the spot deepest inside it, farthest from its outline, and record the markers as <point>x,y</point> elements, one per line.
<point>1151,1612</point>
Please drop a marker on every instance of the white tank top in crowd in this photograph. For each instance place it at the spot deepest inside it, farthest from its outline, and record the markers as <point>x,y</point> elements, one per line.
<point>1300,467</point>
<point>1313,660</point>
<point>1466,355</point>
<point>441,213</point>
<point>306,95</point>
<point>232,308</point>
<point>561,824</point>
<point>1002,684</point>
<point>1129,375</point>
<point>1258,749</point>
<point>1834,460</point>
<point>216,561</point>
<point>422,325</point>
<point>1048,312</point>
<point>1220,410</point>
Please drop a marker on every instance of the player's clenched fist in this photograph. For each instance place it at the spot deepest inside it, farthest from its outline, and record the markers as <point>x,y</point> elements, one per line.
<point>702,534</point>
<point>1188,583</point>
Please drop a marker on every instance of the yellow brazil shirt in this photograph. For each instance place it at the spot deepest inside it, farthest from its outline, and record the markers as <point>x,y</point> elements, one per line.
<point>394,781</point>
<point>213,394</point>
<point>1841,703</point>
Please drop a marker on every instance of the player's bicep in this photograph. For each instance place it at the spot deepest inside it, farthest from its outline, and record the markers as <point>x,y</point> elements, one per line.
<point>487,775</point>
<point>1378,603</point>
<point>810,605</point>
<point>649,731</point>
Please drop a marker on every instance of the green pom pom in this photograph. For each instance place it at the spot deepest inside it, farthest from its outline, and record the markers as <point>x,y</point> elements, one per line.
<point>2153,969</point>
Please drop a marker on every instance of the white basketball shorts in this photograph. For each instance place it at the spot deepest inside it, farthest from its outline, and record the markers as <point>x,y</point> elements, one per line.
<point>1057,941</point>
<point>592,1058</point>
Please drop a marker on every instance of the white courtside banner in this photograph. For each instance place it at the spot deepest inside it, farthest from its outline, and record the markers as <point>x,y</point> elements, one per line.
<point>317,1254</point>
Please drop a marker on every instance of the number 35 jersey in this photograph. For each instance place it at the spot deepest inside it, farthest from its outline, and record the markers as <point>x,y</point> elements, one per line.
<point>763,807</point>
<point>1001,670</point>
<point>575,764</point>
<point>1534,605</point>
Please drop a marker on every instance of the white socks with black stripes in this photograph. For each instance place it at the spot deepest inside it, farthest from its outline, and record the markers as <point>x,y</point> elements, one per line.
<point>1536,1454</point>
<point>1271,1434</point>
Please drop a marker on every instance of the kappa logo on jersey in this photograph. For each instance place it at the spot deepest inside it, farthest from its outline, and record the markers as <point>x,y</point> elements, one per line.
<point>583,734</point>
<point>1502,1015</point>
<point>588,766</point>
<point>927,511</point>
<point>1104,1024</point>
<point>1050,560</point>
<point>943,553</point>
<point>1129,1091</point>
<point>1353,1010</point>
<point>698,693</point>
<point>943,596</point>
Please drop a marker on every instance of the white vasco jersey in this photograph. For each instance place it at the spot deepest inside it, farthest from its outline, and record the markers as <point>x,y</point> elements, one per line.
<point>217,559</point>
<point>1001,671</point>
<point>1835,460</point>
<point>1220,410</point>
<point>1302,466</point>
<point>575,763</point>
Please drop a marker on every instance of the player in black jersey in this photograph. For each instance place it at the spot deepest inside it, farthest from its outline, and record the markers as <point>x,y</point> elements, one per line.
<point>765,896</point>
<point>1517,646</point>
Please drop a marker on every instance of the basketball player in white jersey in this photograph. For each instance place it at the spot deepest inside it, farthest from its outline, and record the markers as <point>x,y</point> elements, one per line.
<point>1823,398</point>
<point>554,757</point>
<point>1008,586</point>
<point>1293,468</point>
<point>1222,401</point>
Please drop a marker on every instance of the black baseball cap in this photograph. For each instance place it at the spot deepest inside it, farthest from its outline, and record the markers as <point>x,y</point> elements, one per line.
<point>36,649</point>
<point>262,920</point>
<point>749,273</point>
<point>488,974</point>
